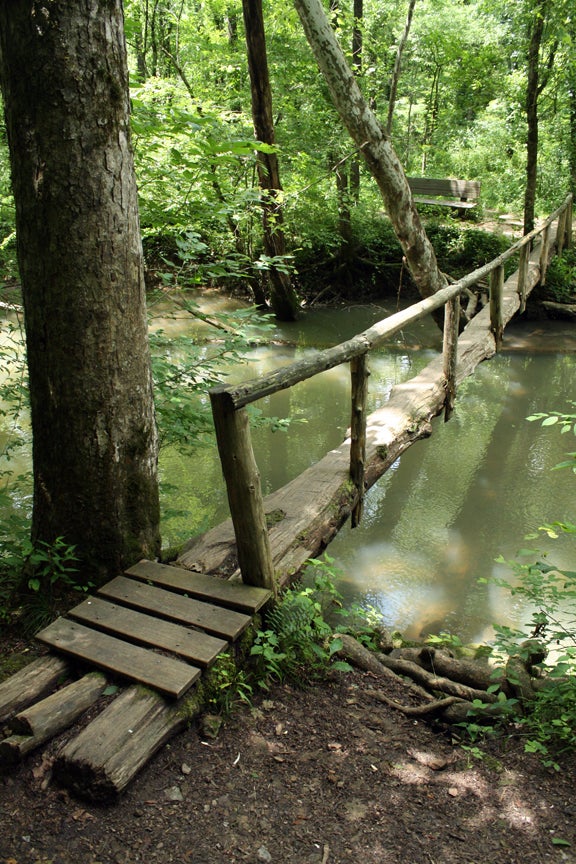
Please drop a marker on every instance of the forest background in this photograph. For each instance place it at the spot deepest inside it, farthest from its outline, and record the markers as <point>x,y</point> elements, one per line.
<point>459,109</point>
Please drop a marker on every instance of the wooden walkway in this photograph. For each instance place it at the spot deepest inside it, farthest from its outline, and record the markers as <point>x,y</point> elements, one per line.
<point>306,514</point>
<point>156,626</point>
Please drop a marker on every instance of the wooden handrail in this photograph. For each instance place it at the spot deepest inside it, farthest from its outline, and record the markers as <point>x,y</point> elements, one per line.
<point>229,402</point>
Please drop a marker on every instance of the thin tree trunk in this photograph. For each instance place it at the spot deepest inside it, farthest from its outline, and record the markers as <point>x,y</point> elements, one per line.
<point>398,66</point>
<point>282,295</point>
<point>532,87</point>
<point>537,80</point>
<point>357,45</point>
<point>377,150</point>
<point>64,79</point>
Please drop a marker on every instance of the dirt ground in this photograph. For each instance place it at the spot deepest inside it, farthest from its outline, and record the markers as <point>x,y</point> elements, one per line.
<point>321,775</point>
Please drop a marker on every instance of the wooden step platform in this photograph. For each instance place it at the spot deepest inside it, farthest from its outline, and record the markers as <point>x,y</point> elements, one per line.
<point>156,625</point>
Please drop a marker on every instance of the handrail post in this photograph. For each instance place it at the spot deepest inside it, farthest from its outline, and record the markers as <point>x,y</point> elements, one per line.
<point>561,232</point>
<point>496,294</point>
<point>544,254</point>
<point>569,217</point>
<point>359,394</point>
<point>522,274</point>
<point>244,491</point>
<point>450,353</point>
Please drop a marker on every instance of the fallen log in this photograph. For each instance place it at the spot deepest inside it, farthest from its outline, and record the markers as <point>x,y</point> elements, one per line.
<point>560,310</point>
<point>102,760</point>
<point>31,684</point>
<point>42,721</point>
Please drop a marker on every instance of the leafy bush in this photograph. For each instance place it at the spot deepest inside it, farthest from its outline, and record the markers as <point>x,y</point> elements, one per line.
<point>560,284</point>
<point>299,643</point>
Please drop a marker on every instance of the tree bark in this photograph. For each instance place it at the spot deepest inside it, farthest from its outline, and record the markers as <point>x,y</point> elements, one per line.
<point>65,85</point>
<point>536,32</point>
<point>397,67</point>
<point>537,81</point>
<point>376,148</point>
<point>282,296</point>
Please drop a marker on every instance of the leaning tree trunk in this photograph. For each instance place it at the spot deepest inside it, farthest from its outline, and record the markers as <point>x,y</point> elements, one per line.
<point>282,296</point>
<point>376,148</point>
<point>65,85</point>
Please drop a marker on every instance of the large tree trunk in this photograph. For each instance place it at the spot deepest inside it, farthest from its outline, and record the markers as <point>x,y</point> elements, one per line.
<point>376,148</point>
<point>282,296</point>
<point>65,84</point>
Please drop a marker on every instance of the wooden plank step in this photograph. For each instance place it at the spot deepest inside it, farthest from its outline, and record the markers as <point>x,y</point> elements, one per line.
<point>165,674</point>
<point>215,620</point>
<point>31,683</point>
<point>234,595</point>
<point>192,645</point>
<point>37,724</point>
<point>102,760</point>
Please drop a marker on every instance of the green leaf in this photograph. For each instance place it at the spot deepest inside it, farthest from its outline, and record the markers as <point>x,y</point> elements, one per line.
<point>558,841</point>
<point>111,690</point>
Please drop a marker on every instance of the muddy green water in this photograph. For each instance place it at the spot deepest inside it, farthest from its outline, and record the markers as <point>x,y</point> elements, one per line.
<point>435,523</point>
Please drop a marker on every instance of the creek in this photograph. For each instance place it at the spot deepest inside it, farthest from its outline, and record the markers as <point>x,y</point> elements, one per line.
<point>436,522</point>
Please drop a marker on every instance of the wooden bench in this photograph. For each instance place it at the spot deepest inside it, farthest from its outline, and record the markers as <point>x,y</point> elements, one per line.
<point>458,194</point>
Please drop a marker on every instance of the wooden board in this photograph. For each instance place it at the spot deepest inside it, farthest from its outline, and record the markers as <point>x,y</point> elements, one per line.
<point>102,760</point>
<point>165,674</point>
<point>185,610</point>
<point>30,684</point>
<point>192,645</point>
<point>233,595</point>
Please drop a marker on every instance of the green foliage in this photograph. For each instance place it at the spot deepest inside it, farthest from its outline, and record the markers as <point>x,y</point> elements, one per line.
<point>460,250</point>
<point>299,643</point>
<point>226,685</point>
<point>560,284</point>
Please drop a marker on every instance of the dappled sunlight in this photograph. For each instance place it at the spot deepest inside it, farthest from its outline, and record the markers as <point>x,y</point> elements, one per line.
<point>500,800</point>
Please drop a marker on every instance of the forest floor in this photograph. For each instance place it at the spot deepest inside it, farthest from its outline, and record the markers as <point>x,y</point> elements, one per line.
<point>318,775</point>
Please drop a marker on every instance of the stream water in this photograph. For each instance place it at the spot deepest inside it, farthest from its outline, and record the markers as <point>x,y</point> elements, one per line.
<point>436,522</point>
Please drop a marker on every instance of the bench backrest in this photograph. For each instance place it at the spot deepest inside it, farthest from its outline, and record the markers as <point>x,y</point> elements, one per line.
<point>463,189</point>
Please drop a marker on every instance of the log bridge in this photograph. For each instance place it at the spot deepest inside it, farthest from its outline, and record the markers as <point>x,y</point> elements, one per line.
<point>158,627</point>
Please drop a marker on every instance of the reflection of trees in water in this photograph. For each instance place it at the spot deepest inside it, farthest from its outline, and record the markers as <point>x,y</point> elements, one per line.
<point>460,499</point>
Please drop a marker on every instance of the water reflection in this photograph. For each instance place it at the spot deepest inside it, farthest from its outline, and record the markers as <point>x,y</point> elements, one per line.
<point>460,499</point>
<point>437,520</point>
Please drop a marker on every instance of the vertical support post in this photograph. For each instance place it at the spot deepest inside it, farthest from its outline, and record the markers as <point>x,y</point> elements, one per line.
<point>450,353</point>
<point>359,386</point>
<point>544,254</point>
<point>522,273</point>
<point>569,208</point>
<point>244,491</point>
<point>496,293</point>
<point>561,232</point>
